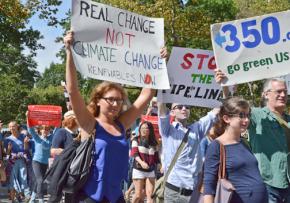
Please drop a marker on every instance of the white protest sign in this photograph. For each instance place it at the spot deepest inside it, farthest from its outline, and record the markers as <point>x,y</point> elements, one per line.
<point>253,48</point>
<point>287,80</point>
<point>191,79</point>
<point>117,45</point>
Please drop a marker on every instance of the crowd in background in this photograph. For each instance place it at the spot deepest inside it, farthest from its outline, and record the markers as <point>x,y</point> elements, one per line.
<point>255,142</point>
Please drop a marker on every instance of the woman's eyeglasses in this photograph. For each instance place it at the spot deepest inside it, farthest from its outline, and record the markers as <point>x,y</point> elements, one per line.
<point>241,115</point>
<point>180,107</point>
<point>112,100</point>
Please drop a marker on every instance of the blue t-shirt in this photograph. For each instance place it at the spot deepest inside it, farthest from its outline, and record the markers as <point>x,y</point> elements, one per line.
<point>241,170</point>
<point>61,138</point>
<point>110,165</point>
<point>17,143</point>
<point>42,147</point>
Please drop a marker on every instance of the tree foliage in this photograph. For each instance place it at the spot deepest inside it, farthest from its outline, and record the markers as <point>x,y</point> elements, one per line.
<point>12,95</point>
<point>185,26</point>
<point>15,38</point>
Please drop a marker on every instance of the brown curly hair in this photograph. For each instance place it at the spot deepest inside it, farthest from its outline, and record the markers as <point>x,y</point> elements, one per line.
<point>99,91</point>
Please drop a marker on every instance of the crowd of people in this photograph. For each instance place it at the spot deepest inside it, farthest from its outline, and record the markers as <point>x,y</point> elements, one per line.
<point>257,165</point>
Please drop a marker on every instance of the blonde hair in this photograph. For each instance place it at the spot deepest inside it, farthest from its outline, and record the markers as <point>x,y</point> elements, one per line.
<point>69,122</point>
<point>99,92</point>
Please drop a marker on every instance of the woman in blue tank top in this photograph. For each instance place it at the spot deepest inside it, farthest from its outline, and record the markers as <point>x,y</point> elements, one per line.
<point>104,113</point>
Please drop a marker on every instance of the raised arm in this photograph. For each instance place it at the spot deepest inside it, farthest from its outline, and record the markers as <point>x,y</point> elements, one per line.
<point>85,119</point>
<point>219,77</point>
<point>31,130</point>
<point>162,109</point>
<point>128,117</point>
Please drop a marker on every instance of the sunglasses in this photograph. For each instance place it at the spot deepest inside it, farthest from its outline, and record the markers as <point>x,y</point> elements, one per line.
<point>241,115</point>
<point>180,107</point>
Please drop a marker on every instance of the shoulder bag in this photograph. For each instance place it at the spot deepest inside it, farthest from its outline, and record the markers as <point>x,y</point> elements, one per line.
<point>158,193</point>
<point>224,189</point>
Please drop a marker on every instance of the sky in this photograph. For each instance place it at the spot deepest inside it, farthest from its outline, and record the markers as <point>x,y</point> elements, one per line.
<point>45,57</point>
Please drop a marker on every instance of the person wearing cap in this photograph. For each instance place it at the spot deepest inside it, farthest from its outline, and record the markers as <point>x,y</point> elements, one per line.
<point>64,136</point>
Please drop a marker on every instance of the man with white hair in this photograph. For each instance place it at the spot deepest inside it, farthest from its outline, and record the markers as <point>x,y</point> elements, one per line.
<point>269,138</point>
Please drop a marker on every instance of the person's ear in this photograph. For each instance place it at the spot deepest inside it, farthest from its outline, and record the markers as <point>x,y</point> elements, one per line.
<point>265,95</point>
<point>226,119</point>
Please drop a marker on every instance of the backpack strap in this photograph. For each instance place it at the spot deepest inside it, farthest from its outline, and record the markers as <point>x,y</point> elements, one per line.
<point>178,152</point>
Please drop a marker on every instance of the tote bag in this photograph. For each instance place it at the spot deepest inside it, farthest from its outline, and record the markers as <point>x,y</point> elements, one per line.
<point>224,188</point>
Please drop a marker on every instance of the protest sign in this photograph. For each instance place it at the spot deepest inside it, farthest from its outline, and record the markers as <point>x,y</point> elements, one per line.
<point>117,45</point>
<point>191,79</point>
<point>253,48</point>
<point>44,115</point>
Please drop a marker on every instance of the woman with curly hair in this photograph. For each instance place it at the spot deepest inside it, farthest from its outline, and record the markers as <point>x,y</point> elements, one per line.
<point>106,117</point>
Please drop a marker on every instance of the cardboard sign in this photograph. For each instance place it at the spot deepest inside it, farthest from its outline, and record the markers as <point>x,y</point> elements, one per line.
<point>253,48</point>
<point>117,45</point>
<point>191,73</point>
<point>44,115</point>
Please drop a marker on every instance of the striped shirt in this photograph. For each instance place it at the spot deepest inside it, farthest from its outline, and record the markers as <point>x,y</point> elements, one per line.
<point>147,153</point>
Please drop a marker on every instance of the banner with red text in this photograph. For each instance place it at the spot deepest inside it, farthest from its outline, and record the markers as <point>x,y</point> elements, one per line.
<point>117,45</point>
<point>44,115</point>
<point>191,79</point>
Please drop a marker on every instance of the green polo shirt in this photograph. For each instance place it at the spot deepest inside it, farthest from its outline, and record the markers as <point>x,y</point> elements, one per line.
<point>269,145</point>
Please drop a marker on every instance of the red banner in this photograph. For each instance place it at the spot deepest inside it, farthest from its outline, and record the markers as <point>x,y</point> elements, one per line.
<point>154,121</point>
<point>44,115</point>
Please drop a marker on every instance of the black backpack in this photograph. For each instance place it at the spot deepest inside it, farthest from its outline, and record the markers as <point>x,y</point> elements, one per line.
<point>80,166</point>
<point>70,170</point>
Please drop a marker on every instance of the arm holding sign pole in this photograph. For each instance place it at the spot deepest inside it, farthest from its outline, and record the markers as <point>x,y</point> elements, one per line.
<point>129,117</point>
<point>84,117</point>
<point>219,77</point>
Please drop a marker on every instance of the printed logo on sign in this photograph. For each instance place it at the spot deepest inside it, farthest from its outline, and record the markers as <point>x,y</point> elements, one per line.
<point>253,48</point>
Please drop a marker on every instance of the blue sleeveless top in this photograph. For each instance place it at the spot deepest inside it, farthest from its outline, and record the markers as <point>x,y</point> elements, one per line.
<point>110,165</point>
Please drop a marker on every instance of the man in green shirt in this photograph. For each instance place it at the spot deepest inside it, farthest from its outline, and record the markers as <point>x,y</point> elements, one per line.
<point>268,139</point>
